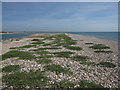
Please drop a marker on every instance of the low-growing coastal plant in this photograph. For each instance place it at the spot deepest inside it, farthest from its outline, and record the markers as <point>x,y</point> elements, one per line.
<point>102,51</point>
<point>44,61</point>
<point>45,56</point>
<point>62,85</point>
<point>23,79</point>
<point>35,40</point>
<point>21,54</point>
<point>88,43</point>
<point>63,54</point>
<point>43,52</point>
<point>11,68</point>
<point>27,46</point>
<point>86,84</point>
<point>48,44</point>
<point>38,43</point>
<point>73,48</point>
<point>56,68</point>
<point>99,46</point>
<point>14,48</point>
<point>88,63</point>
<point>80,58</point>
<point>45,48</point>
<point>107,64</point>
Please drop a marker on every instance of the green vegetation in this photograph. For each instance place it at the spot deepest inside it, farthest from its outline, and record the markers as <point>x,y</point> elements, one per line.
<point>27,46</point>
<point>45,56</point>
<point>99,46</point>
<point>63,40</point>
<point>44,61</point>
<point>102,51</point>
<point>85,84</point>
<point>14,48</point>
<point>21,54</point>
<point>88,43</point>
<point>63,84</point>
<point>56,68</point>
<point>38,42</point>
<point>50,37</point>
<point>11,68</point>
<point>88,63</point>
<point>45,48</point>
<point>35,40</point>
<point>23,79</point>
<point>80,58</point>
<point>73,48</point>
<point>63,54</point>
<point>47,44</point>
<point>107,64</point>
<point>43,52</point>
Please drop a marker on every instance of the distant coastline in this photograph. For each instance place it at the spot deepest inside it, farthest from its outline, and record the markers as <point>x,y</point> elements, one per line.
<point>7,33</point>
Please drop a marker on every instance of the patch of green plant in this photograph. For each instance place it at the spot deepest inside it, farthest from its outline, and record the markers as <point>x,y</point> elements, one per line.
<point>21,54</point>
<point>14,48</point>
<point>102,51</point>
<point>43,52</point>
<point>88,43</point>
<point>11,68</point>
<point>63,54</point>
<point>74,48</point>
<point>38,42</point>
<point>44,61</point>
<point>63,40</point>
<point>56,68</point>
<point>99,46</point>
<point>107,64</point>
<point>45,48</point>
<point>85,84</point>
<point>63,85</point>
<point>45,56</point>
<point>80,58</point>
<point>47,44</point>
<point>88,63</point>
<point>49,37</point>
<point>35,40</point>
<point>23,79</point>
<point>27,46</point>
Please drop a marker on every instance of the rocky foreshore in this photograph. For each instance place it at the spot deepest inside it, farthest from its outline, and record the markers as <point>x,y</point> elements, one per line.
<point>86,62</point>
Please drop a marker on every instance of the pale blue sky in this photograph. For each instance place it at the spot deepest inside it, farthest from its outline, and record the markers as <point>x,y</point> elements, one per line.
<point>60,16</point>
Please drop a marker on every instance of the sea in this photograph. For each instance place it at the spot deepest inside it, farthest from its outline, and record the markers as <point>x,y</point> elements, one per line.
<point>113,36</point>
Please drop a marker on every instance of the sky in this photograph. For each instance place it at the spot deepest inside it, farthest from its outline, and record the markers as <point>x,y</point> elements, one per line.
<point>60,16</point>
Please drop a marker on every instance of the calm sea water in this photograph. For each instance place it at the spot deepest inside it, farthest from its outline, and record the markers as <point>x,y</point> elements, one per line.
<point>102,35</point>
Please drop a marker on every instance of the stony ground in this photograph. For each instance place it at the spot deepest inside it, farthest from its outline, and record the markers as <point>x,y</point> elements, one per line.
<point>60,61</point>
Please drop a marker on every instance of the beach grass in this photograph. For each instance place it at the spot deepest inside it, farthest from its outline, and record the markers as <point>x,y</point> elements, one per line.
<point>21,54</point>
<point>56,68</point>
<point>86,84</point>
<point>107,64</point>
<point>102,51</point>
<point>63,54</point>
<point>99,46</point>
<point>88,43</point>
<point>63,84</point>
<point>80,58</point>
<point>35,40</point>
<point>23,79</point>
<point>44,61</point>
<point>74,48</point>
<point>11,68</point>
<point>39,49</point>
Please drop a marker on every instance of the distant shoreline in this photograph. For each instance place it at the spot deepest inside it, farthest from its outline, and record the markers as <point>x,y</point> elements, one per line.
<point>7,33</point>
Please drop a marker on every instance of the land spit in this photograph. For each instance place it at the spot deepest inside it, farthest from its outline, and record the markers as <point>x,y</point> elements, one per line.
<point>79,58</point>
